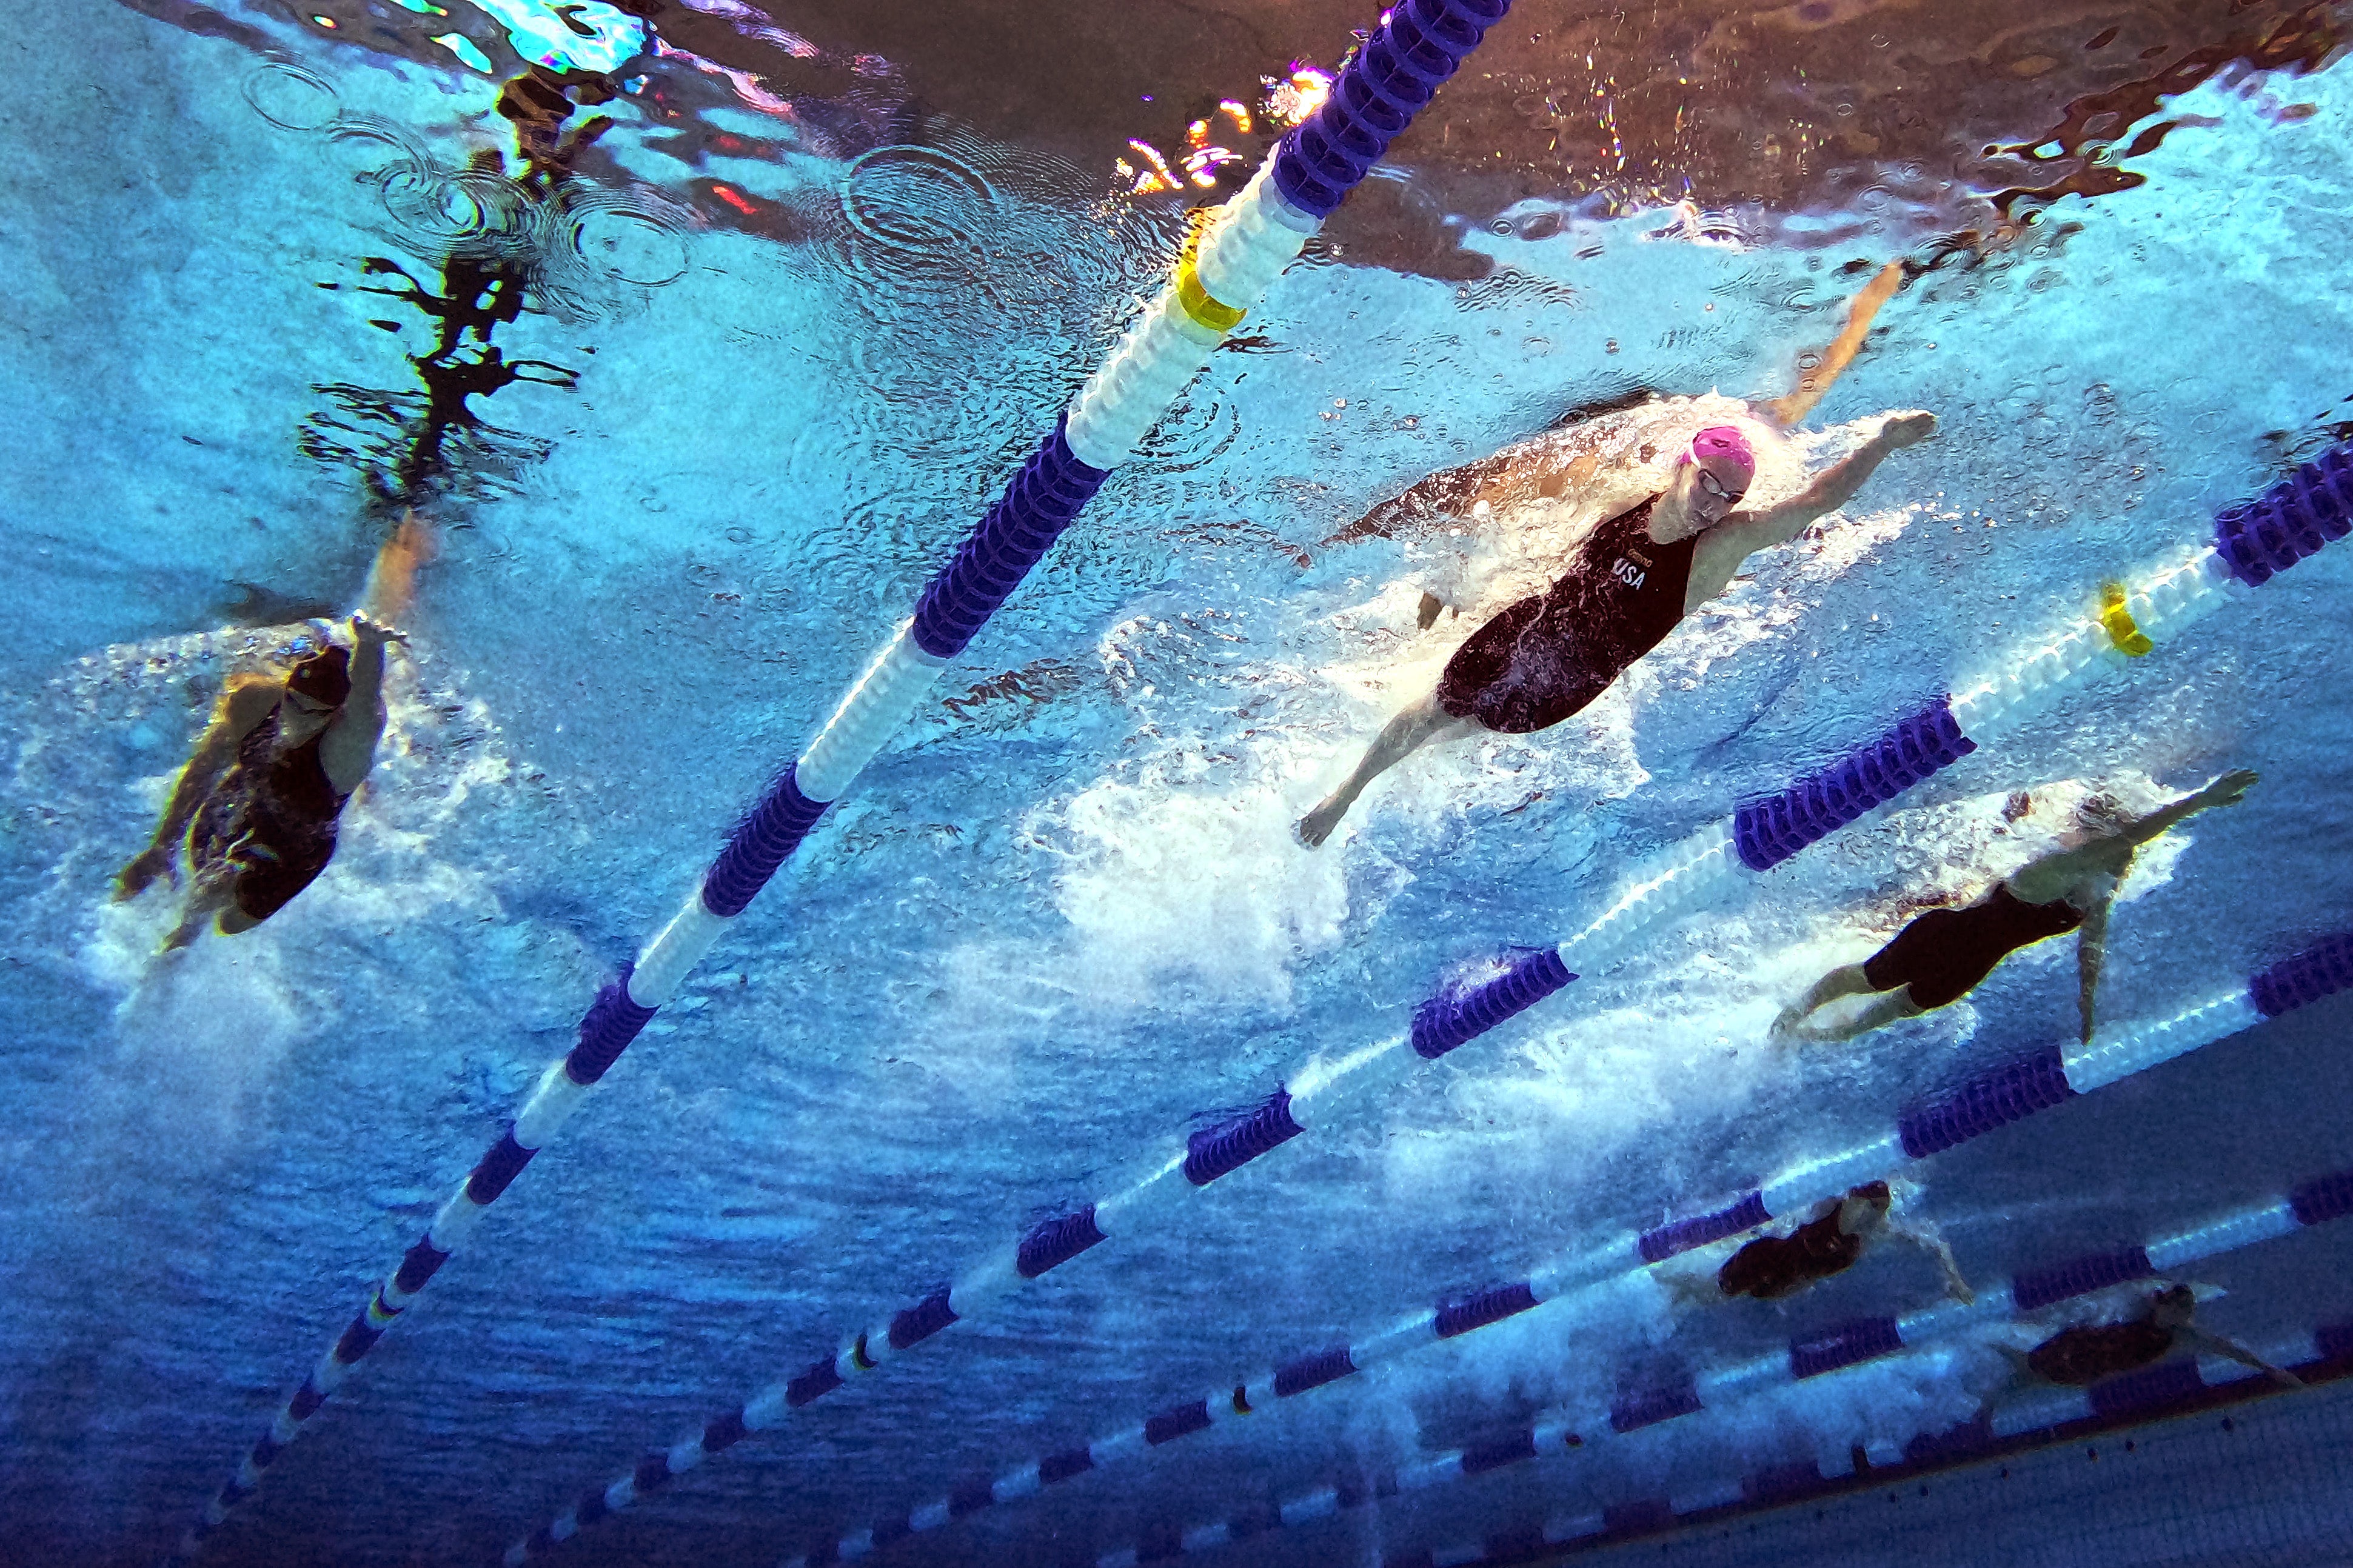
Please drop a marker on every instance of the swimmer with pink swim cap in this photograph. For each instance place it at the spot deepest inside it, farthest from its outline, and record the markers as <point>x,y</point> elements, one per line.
<point>1632,579</point>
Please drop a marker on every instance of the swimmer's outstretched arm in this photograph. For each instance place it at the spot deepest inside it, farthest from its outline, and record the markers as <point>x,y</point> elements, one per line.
<point>246,703</point>
<point>347,749</point>
<point>2230,1351</point>
<point>2229,790</point>
<point>2055,875</point>
<point>1834,486</point>
<point>2090,952</point>
<point>1721,549</point>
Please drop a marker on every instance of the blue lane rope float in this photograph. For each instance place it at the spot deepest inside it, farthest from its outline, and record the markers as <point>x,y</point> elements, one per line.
<point>2025,682</point>
<point>2319,971</point>
<point>1822,1352</point>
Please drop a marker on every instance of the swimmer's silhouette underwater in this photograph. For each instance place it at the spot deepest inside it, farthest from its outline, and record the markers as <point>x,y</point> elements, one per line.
<point>2080,1356</point>
<point>1840,1232</point>
<point>251,820</point>
<point>1942,954</point>
<point>1832,1241</point>
<point>1633,573</point>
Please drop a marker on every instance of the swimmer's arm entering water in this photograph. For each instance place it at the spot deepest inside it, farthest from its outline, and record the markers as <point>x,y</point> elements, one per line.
<point>392,580</point>
<point>347,749</point>
<point>2228,790</point>
<point>1723,548</point>
<point>1833,361</point>
<point>246,703</point>
<point>2091,950</point>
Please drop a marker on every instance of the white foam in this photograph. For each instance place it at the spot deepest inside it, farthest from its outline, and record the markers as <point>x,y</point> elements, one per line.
<point>1164,877</point>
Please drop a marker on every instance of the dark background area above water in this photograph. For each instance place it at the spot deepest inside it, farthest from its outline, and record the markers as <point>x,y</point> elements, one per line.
<point>1943,117</point>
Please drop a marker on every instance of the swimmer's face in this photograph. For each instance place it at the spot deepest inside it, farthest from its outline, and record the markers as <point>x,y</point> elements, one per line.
<point>1709,493</point>
<point>301,716</point>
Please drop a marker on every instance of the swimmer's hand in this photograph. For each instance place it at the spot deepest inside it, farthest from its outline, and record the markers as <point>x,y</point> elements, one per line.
<point>1908,429</point>
<point>1313,829</point>
<point>2231,788</point>
<point>367,633</point>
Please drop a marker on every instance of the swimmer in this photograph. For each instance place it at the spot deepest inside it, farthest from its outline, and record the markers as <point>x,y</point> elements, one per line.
<point>254,809</point>
<point>1831,1243</point>
<point>2075,1357</point>
<point>1632,578</point>
<point>1942,954</point>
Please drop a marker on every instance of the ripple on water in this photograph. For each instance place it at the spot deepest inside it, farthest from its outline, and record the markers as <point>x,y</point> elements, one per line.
<point>920,220</point>
<point>1022,240</point>
<point>629,237</point>
<point>292,96</point>
<point>599,252</point>
<point>463,210</point>
<point>1199,428</point>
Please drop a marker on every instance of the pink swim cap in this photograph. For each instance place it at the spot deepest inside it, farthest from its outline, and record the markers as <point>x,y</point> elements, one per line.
<point>1724,448</point>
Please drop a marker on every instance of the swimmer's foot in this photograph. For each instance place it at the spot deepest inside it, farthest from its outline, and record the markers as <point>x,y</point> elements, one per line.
<point>134,878</point>
<point>1802,1031</point>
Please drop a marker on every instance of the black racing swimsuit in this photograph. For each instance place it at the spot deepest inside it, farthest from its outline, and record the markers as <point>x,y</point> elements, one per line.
<point>2078,1356</point>
<point>1774,1265</point>
<point>272,816</point>
<point>1944,953</point>
<point>1543,659</point>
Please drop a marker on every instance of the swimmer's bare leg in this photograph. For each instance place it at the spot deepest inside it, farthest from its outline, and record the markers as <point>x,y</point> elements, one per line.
<point>209,897</point>
<point>1412,729</point>
<point>1888,1008</point>
<point>1957,1284</point>
<point>2022,1375</point>
<point>1689,1288</point>
<point>1847,980</point>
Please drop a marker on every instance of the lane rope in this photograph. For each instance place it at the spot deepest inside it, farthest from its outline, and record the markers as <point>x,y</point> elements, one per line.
<point>1724,1392</point>
<point>1977,1108</point>
<point>2254,542</point>
<point>1240,252</point>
